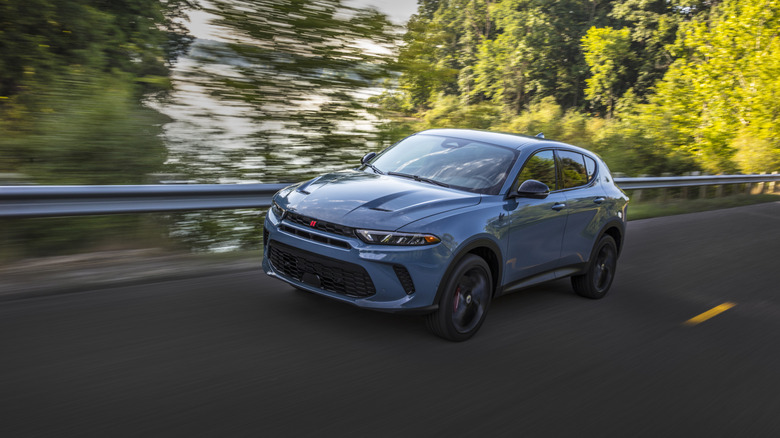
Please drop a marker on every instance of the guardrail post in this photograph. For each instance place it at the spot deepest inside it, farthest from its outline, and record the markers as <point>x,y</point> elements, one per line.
<point>774,183</point>
<point>685,189</point>
<point>719,191</point>
<point>703,191</point>
<point>636,195</point>
<point>762,186</point>
<point>663,190</point>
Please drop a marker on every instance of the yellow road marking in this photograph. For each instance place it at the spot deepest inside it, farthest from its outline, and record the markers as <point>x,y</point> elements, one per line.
<point>710,313</point>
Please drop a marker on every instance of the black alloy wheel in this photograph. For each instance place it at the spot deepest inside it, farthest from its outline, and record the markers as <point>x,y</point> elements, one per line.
<point>595,283</point>
<point>464,301</point>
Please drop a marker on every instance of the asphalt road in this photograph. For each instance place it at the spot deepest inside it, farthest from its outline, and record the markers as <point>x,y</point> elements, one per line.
<point>245,355</point>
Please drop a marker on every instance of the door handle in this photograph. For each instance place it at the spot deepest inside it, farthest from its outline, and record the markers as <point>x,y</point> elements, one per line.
<point>599,200</point>
<point>559,206</point>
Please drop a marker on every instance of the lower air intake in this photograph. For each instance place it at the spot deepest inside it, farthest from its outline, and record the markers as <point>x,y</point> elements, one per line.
<point>330,274</point>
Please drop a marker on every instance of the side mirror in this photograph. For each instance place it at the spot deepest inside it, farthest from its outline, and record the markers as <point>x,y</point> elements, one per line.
<point>533,189</point>
<point>367,157</point>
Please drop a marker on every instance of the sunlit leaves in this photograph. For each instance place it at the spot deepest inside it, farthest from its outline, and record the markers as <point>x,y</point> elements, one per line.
<point>607,52</point>
<point>721,95</point>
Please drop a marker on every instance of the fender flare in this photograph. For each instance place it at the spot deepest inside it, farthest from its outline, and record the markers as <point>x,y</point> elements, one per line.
<point>614,223</point>
<point>462,252</point>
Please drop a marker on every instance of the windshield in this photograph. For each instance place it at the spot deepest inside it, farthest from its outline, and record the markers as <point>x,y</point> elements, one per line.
<point>454,162</point>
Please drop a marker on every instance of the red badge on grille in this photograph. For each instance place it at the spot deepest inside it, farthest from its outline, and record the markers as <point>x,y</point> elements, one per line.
<point>312,223</point>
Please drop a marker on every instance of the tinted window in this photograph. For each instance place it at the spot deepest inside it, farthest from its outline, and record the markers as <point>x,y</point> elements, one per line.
<point>462,164</point>
<point>590,167</point>
<point>541,167</point>
<point>572,169</point>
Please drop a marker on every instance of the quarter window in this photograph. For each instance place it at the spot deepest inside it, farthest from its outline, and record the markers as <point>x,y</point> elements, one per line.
<point>590,167</point>
<point>573,169</point>
<point>541,167</point>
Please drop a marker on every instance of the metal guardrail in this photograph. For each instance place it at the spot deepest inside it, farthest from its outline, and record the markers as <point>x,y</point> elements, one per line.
<point>47,201</point>
<point>665,182</point>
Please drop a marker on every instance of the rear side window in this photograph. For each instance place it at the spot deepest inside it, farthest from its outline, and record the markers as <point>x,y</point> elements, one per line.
<point>573,169</point>
<point>541,167</point>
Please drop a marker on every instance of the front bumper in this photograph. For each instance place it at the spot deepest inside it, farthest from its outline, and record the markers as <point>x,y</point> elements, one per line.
<point>316,257</point>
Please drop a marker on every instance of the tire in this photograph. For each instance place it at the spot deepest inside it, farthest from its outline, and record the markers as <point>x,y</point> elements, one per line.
<point>596,281</point>
<point>464,301</point>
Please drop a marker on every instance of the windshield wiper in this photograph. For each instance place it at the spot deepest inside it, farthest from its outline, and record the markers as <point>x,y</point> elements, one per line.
<point>374,168</point>
<point>419,178</point>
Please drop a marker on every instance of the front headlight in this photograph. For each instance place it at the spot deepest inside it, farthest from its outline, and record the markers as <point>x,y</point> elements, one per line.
<point>277,210</point>
<point>393,238</point>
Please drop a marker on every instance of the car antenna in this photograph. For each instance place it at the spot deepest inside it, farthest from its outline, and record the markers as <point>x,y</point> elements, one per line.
<point>540,135</point>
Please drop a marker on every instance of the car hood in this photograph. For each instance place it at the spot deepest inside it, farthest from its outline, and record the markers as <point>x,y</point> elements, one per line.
<point>366,200</point>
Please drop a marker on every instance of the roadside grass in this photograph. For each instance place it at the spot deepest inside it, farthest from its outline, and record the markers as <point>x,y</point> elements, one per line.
<point>670,207</point>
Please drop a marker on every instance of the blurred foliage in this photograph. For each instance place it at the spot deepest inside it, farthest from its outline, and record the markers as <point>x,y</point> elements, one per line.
<point>84,130</point>
<point>286,88</point>
<point>41,237</point>
<point>653,86</point>
<point>216,231</point>
<point>74,76</point>
<point>42,39</point>
<point>720,96</point>
<point>297,74</point>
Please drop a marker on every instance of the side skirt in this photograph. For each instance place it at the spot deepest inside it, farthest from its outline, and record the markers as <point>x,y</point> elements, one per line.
<point>544,277</point>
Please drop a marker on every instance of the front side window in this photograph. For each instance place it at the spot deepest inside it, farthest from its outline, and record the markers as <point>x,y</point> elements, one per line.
<point>573,169</point>
<point>462,164</point>
<point>541,167</point>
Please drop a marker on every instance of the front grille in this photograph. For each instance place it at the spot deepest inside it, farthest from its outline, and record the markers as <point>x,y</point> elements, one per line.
<point>328,227</point>
<point>315,237</point>
<point>404,278</point>
<point>331,274</point>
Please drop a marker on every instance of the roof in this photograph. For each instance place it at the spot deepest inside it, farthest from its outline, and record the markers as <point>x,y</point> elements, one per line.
<point>514,141</point>
<point>497,138</point>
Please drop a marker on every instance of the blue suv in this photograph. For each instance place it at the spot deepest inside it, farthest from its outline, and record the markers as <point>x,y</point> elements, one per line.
<point>446,220</point>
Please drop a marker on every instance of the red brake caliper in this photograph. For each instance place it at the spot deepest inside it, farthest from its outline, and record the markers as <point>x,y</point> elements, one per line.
<point>457,299</point>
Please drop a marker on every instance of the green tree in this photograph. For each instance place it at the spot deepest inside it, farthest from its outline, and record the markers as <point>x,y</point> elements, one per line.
<point>513,67</point>
<point>607,53</point>
<point>536,51</point>
<point>40,39</point>
<point>653,25</point>
<point>439,49</point>
<point>721,94</point>
<point>424,72</point>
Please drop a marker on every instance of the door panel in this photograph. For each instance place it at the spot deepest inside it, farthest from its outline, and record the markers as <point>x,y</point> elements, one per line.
<point>583,224</point>
<point>585,204</point>
<point>536,225</point>
<point>535,236</point>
